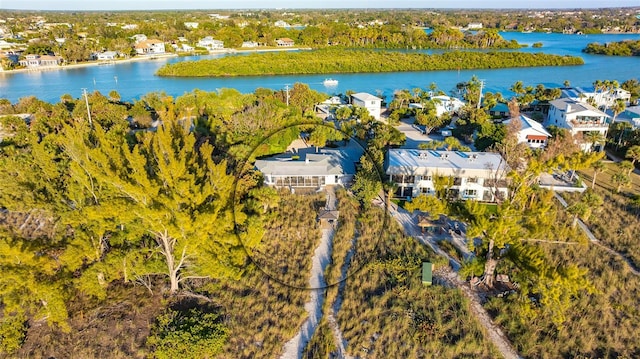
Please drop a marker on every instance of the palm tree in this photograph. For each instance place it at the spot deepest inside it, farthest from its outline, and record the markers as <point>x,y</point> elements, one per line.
<point>618,107</point>
<point>620,179</point>
<point>594,137</point>
<point>567,84</point>
<point>633,153</point>
<point>628,166</point>
<point>598,167</point>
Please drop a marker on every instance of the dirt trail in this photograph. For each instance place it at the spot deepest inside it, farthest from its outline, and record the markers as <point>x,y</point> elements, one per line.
<point>321,258</point>
<point>451,278</point>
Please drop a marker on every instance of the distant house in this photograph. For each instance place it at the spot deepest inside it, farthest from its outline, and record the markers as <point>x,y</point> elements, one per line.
<point>579,118</point>
<point>249,44</point>
<point>531,132</point>
<point>601,98</point>
<point>187,48</point>
<point>191,25</point>
<point>446,104</point>
<point>129,27</point>
<point>284,42</point>
<point>150,47</point>
<point>210,43</point>
<point>368,101</point>
<point>474,26</point>
<point>107,55</point>
<point>314,170</point>
<point>630,115</point>
<point>33,60</point>
<point>480,176</point>
<point>499,110</point>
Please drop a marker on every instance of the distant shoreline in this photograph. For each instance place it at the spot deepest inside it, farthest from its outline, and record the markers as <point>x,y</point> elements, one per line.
<point>143,58</point>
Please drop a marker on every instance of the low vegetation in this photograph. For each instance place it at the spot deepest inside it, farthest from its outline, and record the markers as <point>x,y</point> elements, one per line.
<point>356,61</point>
<point>620,48</point>
<point>387,311</point>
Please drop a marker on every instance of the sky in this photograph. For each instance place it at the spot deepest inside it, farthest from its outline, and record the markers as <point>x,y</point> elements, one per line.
<point>302,4</point>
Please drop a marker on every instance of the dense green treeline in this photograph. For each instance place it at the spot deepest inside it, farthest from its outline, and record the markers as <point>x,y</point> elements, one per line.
<point>620,48</point>
<point>353,61</point>
<point>145,193</point>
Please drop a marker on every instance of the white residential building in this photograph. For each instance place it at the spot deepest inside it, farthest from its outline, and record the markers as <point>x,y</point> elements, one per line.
<point>249,44</point>
<point>600,98</point>
<point>33,60</point>
<point>480,176</point>
<point>210,43</point>
<point>531,132</point>
<point>446,104</point>
<point>191,25</point>
<point>281,23</point>
<point>313,170</point>
<point>150,47</point>
<point>106,56</point>
<point>579,118</point>
<point>368,101</point>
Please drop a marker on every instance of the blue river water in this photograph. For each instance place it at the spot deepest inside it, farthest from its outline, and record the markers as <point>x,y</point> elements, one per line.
<point>134,79</point>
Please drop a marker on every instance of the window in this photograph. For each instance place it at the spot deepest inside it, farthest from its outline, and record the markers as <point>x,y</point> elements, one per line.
<point>472,180</point>
<point>426,190</point>
<point>426,178</point>
<point>470,193</point>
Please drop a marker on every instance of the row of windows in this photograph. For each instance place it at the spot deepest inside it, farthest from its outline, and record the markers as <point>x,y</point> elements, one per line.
<point>536,141</point>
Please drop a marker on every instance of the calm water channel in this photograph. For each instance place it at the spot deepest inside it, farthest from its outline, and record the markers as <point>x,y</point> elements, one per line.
<point>134,79</point>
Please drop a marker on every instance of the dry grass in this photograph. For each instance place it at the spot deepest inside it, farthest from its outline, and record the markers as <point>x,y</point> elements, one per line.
<point>262,313</point>
<point>387,312</point>
<point>603,180</point>
<point>616,223</point>
<point>599,325</point>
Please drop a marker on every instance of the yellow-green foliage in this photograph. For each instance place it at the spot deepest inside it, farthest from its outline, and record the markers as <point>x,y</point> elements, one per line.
<point>349,61</point>
<point>601,325</point>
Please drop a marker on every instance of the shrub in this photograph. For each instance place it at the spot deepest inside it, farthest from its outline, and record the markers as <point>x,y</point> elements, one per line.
<point>187,334</point>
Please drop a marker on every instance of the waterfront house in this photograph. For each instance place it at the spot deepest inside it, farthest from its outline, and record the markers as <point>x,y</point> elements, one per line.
<point>372,103</point>
<point>249,44</point>
<point>630,115</point>
<point>307,170</point>
<point>480,176</point>
<point>107,56</point>
<point>33,60</point>
<point>281,23</point>
<point>210,43</point>
<point>531,132</point>
<point>600,97</point>
<point>284,42</point>
<point>579,118</point>
<point>445,104</point>
<point>499,110</point>
<point>150,47</point>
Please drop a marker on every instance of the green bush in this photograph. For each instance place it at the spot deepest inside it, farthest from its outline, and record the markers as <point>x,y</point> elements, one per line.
<point>187,334</point>
<point>12,333</point>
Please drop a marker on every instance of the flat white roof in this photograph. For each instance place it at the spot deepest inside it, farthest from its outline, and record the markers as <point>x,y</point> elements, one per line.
<point>445,163</point>
<point>363,96</point>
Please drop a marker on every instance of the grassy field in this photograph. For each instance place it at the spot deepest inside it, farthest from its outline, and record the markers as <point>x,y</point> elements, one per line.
<point>616,223</point>
<point>388,312</point>
<point>261,312</point>
<point>603,324</point>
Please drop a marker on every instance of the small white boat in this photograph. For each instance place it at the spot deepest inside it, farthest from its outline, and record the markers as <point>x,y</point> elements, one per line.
<point>330,82</point>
